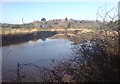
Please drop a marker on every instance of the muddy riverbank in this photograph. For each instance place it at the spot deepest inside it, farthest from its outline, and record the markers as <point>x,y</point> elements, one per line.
<point>19,38</point>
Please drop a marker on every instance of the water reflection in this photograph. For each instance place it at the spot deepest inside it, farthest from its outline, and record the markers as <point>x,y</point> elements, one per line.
<point>43,39</point>
<point>57,58</point>
<point>40,52</point>
<point>76,39</point>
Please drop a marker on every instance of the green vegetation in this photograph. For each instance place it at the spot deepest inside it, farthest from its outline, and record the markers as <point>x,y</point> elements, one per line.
<point>66,19</point>
<point>43,19</point>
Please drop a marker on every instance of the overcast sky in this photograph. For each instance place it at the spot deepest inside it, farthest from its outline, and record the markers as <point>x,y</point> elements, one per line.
<point>13,12</point>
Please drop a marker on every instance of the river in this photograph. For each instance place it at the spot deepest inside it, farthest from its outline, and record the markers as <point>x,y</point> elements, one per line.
<point>31,60</point>
<point>39,52</point>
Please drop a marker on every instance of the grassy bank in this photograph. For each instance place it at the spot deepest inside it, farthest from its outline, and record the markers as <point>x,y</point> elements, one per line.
<point>19,38</point>
<point>9,31</point>
<point>13,31</point>
<point>14,35</point>
<point>76,34</point>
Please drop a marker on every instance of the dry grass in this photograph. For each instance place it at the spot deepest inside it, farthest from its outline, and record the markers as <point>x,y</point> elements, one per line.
<point>7,31</point>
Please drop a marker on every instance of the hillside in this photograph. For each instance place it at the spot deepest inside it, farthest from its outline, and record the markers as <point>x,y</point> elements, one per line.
<point>55,23</point>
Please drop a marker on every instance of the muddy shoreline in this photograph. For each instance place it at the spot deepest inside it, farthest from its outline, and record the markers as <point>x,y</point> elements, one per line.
<point>14,39</point>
